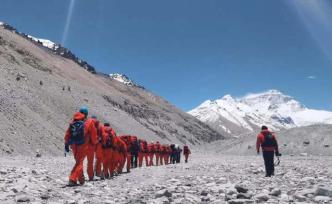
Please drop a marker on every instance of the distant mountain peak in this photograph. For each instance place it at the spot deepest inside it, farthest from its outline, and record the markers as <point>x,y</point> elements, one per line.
<point>124,79</point>
<point>45,42</point>
<point>227,97</point>
<point>272,108</point>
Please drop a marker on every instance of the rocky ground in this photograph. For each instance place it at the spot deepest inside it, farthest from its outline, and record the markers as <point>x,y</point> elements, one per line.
<point>206,179</point>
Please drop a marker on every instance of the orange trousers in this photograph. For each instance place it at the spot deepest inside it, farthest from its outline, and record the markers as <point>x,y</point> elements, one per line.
<point>186,156</point>
<point>157,158</point>
<point>107,164</point>
<point>166,158</point>
<point>116,162</point>
<point>124,157</point>
<point>151,156</point>
<point>141,157</point>
<point>99,159</point>
<point>91,156</point>
<point>128,162</point>
<point>79,152</point>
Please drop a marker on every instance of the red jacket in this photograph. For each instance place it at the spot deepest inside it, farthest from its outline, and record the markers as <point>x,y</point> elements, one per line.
<point>143,146</point>
<point>106,133</point>
<point>261,140</point>
<point>156,147</point>
<point>151,148</point>
<point>90,131</point>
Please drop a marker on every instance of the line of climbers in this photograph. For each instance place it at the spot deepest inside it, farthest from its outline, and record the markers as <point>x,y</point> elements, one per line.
<point>88,138</point>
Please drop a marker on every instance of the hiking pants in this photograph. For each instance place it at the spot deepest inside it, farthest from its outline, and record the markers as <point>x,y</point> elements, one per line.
<point>99,159</point>
<point>151,156</point>
<point>108,156</point>
<point>79,152</point>
<point>269,162</point>
<point>186,157</point>
<point>134,159</point>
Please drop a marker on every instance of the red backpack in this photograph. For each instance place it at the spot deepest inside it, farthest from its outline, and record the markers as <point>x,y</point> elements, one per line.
<point>186,149</point>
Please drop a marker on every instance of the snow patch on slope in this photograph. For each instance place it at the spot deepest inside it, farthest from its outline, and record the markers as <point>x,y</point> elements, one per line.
<point>46,43</point>
<point>122,78</point>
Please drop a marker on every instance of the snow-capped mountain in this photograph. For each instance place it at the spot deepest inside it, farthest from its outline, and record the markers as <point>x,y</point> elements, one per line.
<point>271,108</point>
<point>53,47</point>
<point>124,79</point>
<point>46,43</point>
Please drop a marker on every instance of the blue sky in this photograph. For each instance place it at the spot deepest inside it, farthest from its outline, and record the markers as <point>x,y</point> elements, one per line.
<point>191,50</point>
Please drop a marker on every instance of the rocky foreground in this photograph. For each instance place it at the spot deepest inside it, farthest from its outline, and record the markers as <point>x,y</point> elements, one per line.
<point>206,179</point>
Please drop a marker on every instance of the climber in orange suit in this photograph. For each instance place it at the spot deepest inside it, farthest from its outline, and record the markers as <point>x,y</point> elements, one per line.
<point>157,152</point>
<point>79,135</point>
<point>99,149</point>
<point>108,143</point>
<point>151,153</point>
<point>143,153</point>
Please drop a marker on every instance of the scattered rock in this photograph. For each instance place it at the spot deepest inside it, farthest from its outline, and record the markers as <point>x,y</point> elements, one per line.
<point>275,192</point>
<point>240,201</point>
<point>300,198</point>
<point>322,199</point>
<point>324,191</point>
<point>307,142</point>
<point>38,154</point>
<point>231,191</point>
<point>205,199</point>
<point>262,197</point>
<point>20,76</point>
<point>163,193</point>
<point>45,196</point>
<point>241,188</point>
<point>14,190</point>
<point>204,193</point>
<point>304,154</point>
<point>161,200</point>
<point>244,196</point>
<point>2,172</point>
<point>22,198</point>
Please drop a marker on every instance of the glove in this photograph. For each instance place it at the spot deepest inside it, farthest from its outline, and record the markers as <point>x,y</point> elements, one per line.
<point>278,154</point>
<point>67,148</point>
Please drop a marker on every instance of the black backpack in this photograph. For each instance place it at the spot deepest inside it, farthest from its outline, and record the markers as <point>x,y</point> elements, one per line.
<point>76,132</point>
<point>109,142</point>
<point>269,140</point>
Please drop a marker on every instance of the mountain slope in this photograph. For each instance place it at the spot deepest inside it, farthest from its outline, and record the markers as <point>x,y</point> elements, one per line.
<point>246,114</point>
<point>40,90</point>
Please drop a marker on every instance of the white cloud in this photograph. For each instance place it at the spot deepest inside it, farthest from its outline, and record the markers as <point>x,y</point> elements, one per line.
<point>312,77</point>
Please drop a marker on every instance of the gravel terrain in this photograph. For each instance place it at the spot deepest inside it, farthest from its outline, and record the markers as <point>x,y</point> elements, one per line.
<point>207,178</point>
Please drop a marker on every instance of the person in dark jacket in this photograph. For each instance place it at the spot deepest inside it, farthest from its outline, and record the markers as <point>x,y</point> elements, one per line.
<point>178,154</point>
<point>135,148</point>
<point>173,154</point>
<point>267,141</point>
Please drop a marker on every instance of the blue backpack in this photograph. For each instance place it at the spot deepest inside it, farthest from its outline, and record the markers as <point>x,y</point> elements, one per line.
<point>76,133</point>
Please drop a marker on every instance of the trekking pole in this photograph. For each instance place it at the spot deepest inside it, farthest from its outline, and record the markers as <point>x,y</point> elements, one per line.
<point>278,161</point>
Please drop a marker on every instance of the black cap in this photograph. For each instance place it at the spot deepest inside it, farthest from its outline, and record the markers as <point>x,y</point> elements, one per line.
<point>106,124</point>
<point>264,127</point>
